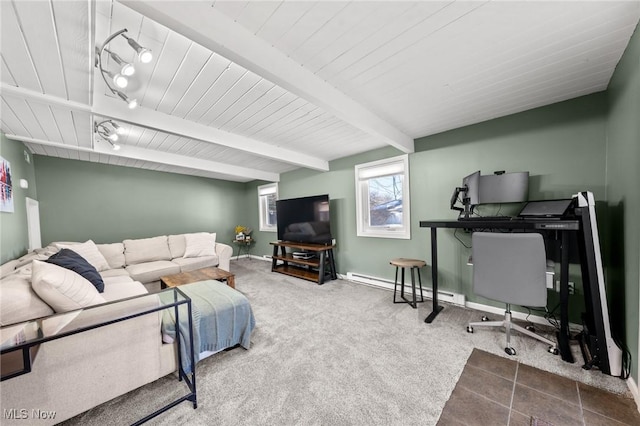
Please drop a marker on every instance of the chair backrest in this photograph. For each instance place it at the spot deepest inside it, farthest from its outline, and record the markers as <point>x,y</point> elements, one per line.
<point>510,268</point>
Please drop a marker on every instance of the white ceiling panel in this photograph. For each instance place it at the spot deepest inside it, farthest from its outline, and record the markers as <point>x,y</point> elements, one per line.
<point>244,90</point>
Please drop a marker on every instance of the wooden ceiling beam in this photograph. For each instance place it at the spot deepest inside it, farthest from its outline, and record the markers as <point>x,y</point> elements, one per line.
<point>203,24</point>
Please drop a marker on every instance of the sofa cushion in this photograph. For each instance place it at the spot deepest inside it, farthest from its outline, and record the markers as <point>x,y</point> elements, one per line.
<point>18,301</point>
<point>193,263</point>
<point>113,253</point>
<point>146,250</point>
<point>116,279</point>
<point>122,289</point>
<point>71,260</point>
<point>8,268</point>
<point>152,271</point>
<point>62,289</point>
<point>120,272</point>
<point>177,244</point>
<point>89,251</point>
<point>200,244</point>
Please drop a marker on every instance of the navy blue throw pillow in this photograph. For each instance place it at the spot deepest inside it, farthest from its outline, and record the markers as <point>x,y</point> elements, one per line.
<point>72,261</point>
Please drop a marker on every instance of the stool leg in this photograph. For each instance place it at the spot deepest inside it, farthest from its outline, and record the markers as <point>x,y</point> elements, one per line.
<point>395,287</point>
<point>413,289</point>
<point>402,285</point>
<point>420,281</point>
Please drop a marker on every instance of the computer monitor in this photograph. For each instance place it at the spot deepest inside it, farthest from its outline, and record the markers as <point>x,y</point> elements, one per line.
<point>469,191</point>
<point>472,183</point>
<point>503,188</point>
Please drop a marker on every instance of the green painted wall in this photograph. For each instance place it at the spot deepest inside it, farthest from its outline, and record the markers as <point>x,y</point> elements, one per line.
<point>81,200</point>
<point>623,195</point>
<point>14,240</point>
<point>563,146</point>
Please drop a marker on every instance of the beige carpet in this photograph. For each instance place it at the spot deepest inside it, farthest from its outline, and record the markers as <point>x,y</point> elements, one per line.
<point>336,354</point>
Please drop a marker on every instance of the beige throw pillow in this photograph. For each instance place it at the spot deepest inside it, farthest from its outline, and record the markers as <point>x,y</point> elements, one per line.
<point>62,289</point>
<point>200,244</point>
<point>89,251</point>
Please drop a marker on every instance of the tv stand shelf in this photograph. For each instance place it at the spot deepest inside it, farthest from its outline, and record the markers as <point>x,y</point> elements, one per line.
<point>318,269</point>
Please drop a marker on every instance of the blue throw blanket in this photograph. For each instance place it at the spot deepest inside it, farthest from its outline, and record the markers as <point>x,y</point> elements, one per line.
<point>222,318</point>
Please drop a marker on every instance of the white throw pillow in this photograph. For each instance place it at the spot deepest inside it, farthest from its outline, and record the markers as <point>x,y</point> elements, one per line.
<point>63,289</point>
<point>89,251</point>
<point>200,244</point>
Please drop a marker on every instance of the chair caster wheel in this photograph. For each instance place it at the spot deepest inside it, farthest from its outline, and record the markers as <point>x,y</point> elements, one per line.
<point>531,328</point>
<point>484,318</point>
<point>553,350</point>
<point>469,329</point>
<point>510,351</point>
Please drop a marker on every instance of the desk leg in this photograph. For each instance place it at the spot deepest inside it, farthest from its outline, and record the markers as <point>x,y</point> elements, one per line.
<point>434,276</point>
<point>321,267</point>
<point>563,334</point>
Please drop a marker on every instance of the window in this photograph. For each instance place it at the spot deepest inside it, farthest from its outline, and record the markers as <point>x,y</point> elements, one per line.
<point>382,198</point>
<point>267,197</point>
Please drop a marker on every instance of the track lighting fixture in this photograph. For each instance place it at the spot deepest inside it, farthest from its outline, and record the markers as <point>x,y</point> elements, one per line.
<point>109,130</point>
<point>126,69</point>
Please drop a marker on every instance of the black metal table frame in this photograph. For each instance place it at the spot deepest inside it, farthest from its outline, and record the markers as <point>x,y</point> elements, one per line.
<point>190,379</point>
<point>565,226</point>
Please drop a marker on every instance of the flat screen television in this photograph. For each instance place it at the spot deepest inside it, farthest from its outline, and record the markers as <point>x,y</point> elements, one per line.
<point>304,220</point>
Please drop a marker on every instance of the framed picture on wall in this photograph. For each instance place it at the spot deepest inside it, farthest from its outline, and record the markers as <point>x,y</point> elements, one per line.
<point>6,187</point>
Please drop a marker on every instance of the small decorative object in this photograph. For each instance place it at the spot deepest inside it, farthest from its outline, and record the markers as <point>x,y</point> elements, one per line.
<point>6,186</point>
<point>243,233</point>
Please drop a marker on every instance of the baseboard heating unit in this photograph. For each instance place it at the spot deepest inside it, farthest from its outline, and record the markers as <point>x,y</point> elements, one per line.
<point>443,295</point>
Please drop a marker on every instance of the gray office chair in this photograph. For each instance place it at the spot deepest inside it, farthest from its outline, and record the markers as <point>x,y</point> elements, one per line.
<point>510,268</point>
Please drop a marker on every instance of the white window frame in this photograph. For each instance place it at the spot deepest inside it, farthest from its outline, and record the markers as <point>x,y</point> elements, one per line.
<point>263,192</point>
<point>375,169</point>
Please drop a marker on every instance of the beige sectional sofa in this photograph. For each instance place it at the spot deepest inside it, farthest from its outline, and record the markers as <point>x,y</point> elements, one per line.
<point>75,373</point>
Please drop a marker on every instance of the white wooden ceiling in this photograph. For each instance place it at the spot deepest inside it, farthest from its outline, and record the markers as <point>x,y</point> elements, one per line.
<point>244,90</point>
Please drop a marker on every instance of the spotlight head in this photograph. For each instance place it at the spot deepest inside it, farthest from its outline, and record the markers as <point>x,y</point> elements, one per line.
<point>115,146</point>
<point>127,69</point>
<point>120,81</point>
<point>131,102</point>
<point>119,129</point>
<point>144,54</point>
<point>112,136</point>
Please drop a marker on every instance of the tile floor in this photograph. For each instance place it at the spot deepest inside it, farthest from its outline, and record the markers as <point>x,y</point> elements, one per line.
<point>497,391</point>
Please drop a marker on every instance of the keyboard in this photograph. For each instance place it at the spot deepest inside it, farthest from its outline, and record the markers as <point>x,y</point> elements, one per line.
<point>484,218</point>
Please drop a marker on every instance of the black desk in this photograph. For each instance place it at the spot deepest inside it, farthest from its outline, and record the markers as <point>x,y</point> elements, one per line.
<point>515,225</point>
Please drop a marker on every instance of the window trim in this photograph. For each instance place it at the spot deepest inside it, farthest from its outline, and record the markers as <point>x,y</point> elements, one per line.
<point>380,168</point>
<point>267,189</point>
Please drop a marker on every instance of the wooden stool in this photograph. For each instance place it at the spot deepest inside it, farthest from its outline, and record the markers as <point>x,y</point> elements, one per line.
<point>415,265</point>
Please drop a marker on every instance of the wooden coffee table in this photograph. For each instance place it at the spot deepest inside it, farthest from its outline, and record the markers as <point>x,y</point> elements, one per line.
<point>211,273</point>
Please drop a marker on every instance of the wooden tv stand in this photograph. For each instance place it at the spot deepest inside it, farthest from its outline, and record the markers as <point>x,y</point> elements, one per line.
<point>319,268</point>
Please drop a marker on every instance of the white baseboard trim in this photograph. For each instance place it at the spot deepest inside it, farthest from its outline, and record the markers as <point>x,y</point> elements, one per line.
<point>445,296</point>
<point>633,388</point>
<point>252,256</point>
<point>450,297</point>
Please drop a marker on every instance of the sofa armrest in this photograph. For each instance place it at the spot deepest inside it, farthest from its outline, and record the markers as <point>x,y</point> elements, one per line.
<point>224,253</point>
